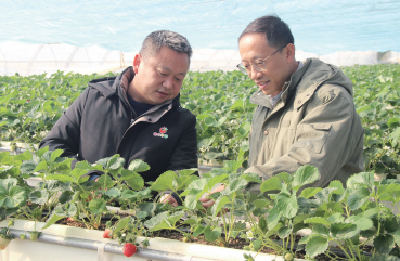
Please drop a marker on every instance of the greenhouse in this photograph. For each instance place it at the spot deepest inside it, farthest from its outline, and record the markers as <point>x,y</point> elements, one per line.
<point>211,142</point>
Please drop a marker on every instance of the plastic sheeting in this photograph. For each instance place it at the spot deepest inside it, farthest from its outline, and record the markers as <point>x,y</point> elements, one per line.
<point>319,26</point>
<point>31,59</point>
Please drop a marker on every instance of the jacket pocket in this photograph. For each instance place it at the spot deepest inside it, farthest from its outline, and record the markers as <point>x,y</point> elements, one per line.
<point>314,136</point>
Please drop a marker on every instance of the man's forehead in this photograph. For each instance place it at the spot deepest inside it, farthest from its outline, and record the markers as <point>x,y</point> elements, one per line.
<point>170,69</point>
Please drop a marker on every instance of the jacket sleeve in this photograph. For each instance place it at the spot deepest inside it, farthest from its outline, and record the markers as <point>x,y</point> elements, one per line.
<point>326,137</point>
<point>65,134</point>
<point>184,155</point>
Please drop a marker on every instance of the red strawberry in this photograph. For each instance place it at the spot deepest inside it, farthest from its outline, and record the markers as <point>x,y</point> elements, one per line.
<point>129,249</point>
<point>107,233</point>
<point>163,130</point>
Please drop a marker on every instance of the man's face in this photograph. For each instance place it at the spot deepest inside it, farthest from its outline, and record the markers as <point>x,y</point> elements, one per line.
<point>271,80</point>
<point>160,77</point>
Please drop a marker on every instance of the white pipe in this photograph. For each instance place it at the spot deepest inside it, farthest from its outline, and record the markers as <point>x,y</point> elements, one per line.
<point>111,248</point>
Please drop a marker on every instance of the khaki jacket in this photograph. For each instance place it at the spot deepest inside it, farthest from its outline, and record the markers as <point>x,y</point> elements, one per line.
<point>314,123</point>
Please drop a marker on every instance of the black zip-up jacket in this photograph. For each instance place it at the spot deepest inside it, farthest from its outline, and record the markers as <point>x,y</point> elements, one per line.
<point>101,123</point>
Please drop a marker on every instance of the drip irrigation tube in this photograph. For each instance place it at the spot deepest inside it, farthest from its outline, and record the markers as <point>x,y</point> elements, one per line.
<point>148,254</point>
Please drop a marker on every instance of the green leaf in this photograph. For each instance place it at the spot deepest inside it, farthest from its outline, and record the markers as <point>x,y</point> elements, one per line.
<point>237,105</point>
<point>60,177</point>
<point>11,195</point>
<point>133,180</point>
<point>316,245</point>
<point>362,223</point>
<point>104,180</point>
<point>55,154</point>
<point>251,177</point>
<point>97,206</point>
<point>342,230</point>
<point>163,221</point>
<point>284,231</point>
<point>39,197</point>
<point>53,219</point>
<point>198,229</point>
<point>384,243</point>
<point>76,174</point>
<point>186,172</point>
<point>336,217</point>
<point>41,166</point>
<point>212,235</point>
<point>83,164</point>
<point>112,192</point>
<point>310,192</point>
<point>362,178</point>
<point>272,184</point>
<point>317,220</point>
<point>305,175</point>
<point>257,244</point>
<point>149,207</point>
<point>393,123</point>
<point>287,205</point>
<point>273,217</point>
<point>236,185</point>
<point>219,203</point>
<point>370,213</point>
<point>40,152</point>
<point>165,181</point>
<point>122,224</point>
<point>388,189</point>
<point>138,165</point>
<point>355,201</point>
<point>29,166</point>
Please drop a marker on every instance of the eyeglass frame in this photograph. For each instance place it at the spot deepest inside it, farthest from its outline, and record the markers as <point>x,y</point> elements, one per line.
<point>245,71</point>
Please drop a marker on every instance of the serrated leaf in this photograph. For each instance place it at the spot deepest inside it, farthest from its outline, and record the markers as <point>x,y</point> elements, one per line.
<point>317,220</point>
<point>305,175</point>
<point>219,204</point>
<point>310,192</point>
<point>138,165</point>
<point>212,235</point>
<point>355,201</point>
<point>342,230</point>
<point>198,229</point>
<point>384,243</point>
<point>272,184</point>
<point>56,153</point>
<point>97,206</point>
<point>316,245</point>
<point>122,224</point>
<point>273,217</point>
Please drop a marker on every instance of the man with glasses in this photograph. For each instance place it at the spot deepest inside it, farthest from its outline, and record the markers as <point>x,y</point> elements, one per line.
<point>305,113</point>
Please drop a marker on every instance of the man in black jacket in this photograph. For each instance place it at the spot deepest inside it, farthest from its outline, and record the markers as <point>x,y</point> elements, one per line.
<point>136,114</point>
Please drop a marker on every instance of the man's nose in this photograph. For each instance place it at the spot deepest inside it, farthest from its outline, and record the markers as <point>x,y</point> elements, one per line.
<point>254,74</point>
<point>168,83</point>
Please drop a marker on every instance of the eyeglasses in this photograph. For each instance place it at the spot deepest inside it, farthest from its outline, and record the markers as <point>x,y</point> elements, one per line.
<point>259,65</point>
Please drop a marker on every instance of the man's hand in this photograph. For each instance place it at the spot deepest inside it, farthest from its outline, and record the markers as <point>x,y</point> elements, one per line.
<point>168,199</point>
<point>207,202</point>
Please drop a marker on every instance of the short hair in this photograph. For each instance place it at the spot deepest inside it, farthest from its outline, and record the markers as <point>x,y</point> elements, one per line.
<point>153,43</point>
<point>277,32</point>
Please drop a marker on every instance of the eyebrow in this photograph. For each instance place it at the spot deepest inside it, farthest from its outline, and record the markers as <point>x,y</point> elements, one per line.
<point>168,69</point>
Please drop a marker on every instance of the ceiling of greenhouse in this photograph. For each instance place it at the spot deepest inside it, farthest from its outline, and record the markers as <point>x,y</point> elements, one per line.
<point>319,26</point>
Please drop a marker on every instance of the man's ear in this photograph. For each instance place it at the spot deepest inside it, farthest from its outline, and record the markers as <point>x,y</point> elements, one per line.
<point>290,51</point>
<point>137,60</point>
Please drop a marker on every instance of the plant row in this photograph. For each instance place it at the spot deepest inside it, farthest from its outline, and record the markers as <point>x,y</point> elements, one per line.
<point>286,204</point>
<point>30,106</point>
